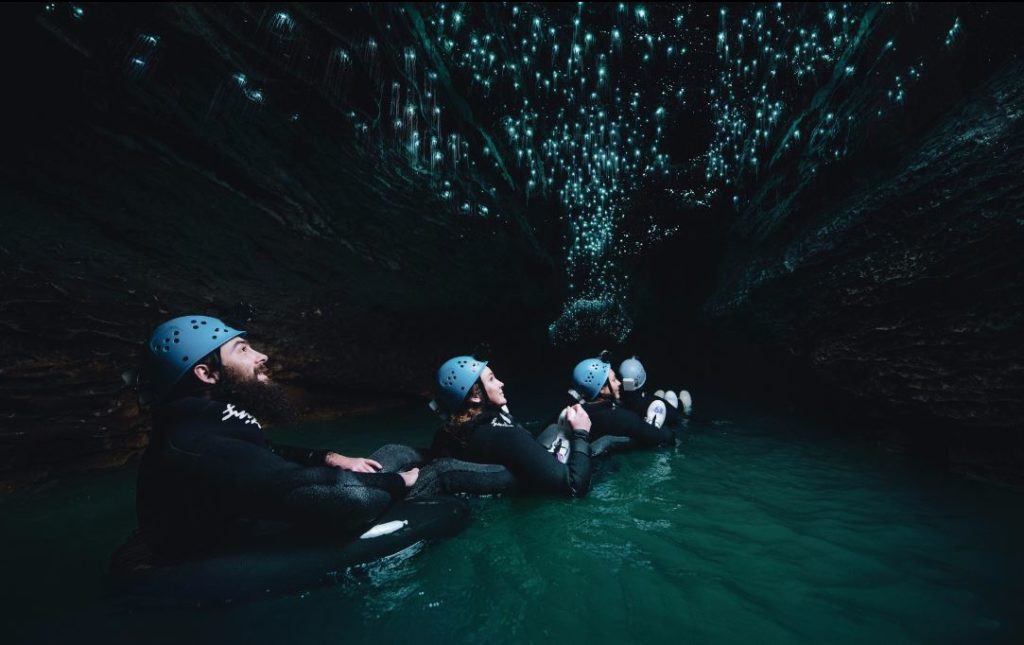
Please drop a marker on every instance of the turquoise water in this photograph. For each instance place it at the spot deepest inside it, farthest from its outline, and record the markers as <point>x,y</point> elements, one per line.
<point>754,529</point>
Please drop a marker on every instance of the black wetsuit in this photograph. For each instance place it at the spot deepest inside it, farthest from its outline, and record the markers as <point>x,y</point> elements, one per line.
<point>608,418</point>
<point>639,400</point>
<point>210,479</point>
<point>495,438</point>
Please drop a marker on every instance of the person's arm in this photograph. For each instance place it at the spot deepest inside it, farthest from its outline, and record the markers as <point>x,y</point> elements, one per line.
<point>623,423</point>
<point>251,481</point>
<point>454,476</point>
<point>641,431</point>
<point>299,455</point>
<point>535,468</point>
<point>578,464</point>
<point>316,457</point>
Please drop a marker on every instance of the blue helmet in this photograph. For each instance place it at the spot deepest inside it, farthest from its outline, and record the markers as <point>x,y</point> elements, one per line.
<point>633,374</point>
<point>590,376</point>
<point>177,345</point>
<point>455,378</point>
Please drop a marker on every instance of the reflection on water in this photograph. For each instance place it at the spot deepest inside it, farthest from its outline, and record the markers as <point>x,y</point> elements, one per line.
<point>752,529</point>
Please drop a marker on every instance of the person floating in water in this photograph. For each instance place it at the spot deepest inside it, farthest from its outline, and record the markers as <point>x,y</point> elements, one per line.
<point>479,428</point>
<point>635,397</point>
<point>210,479</point>
<point>599,388</point>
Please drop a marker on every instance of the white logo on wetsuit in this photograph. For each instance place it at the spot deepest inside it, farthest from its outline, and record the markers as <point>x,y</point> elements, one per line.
<point>230,412</point>
<point>507,421</point>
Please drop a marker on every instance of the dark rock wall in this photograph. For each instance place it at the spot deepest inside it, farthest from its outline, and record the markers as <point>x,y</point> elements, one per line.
<point>130,201</point>
<point>902,290</point>
<point>882,291</point>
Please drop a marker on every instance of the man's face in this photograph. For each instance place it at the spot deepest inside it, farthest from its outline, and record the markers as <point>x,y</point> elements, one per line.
<point>244,363</point>
<point>614,386</point>
<point>245,381</point>
<point>493,387</point>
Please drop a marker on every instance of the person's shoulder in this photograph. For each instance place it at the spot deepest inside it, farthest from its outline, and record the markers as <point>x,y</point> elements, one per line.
<point>194,413</point>
<point>184,409</point>
<point>495,418</point>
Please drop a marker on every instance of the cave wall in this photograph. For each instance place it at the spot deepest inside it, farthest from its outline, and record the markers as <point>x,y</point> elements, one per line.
<point>896,283</point>
<point>130,200</point>
<point>880,291</point>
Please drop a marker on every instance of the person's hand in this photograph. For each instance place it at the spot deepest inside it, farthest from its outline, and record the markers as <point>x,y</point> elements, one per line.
<point>355,464</point>
<point>410,476</point>
<point>578,418</point>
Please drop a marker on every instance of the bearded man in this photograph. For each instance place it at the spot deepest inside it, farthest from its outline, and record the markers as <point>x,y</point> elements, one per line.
<point>210,479</point>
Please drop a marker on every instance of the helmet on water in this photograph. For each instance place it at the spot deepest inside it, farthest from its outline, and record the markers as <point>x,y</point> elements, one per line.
<point>177,345</point>
<point>455,378</point>
<point>590,375</point>
<point>632,374</point>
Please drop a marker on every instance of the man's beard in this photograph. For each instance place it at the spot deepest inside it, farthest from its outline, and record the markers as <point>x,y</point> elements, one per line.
<point>265,400</point>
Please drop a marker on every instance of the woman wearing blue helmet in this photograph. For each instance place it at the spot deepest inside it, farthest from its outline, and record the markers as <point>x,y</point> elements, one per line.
<point>479,428</point>
<point>600,391</point>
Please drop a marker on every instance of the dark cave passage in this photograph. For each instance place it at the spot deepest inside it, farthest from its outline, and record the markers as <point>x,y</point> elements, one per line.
<point>816,206</point>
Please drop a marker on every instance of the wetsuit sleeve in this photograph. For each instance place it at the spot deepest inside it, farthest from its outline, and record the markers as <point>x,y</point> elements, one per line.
<point>640,430</point>
<point>256,483</point>
<point>535,468</point>
<point>646,433</point>
<point>298,455</point>
<point>649,433</point>
<point>623,423</point>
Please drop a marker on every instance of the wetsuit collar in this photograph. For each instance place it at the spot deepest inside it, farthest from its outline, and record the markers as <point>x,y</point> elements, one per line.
<point>492,412</point>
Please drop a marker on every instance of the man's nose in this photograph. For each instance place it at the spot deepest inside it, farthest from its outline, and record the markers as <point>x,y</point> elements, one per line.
<point>261,358</point>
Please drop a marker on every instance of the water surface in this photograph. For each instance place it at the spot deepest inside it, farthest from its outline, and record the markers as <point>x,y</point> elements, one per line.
<point>754,528</point>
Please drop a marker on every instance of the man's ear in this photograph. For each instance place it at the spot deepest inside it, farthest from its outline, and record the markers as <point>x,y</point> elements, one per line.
<point>475,399</point>
<point>205,374</point>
